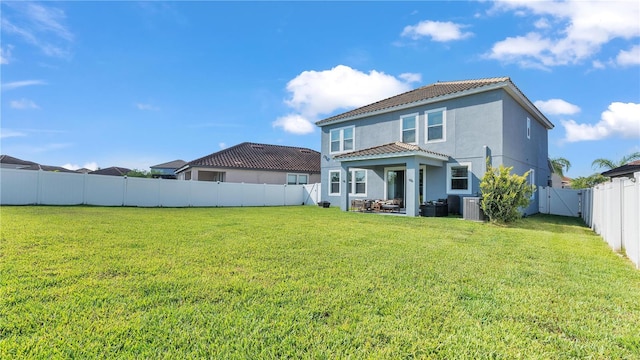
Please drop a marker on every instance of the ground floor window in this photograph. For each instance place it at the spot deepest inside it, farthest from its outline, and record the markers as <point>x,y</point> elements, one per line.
<point>297,179</point>
<point>334,182</point>
<point>357,182</point>
<point>459,178</point>
<point>211,176</point>
<point>532,181</point>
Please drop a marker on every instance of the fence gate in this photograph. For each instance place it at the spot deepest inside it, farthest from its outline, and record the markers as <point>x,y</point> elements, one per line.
<point>555,201</point>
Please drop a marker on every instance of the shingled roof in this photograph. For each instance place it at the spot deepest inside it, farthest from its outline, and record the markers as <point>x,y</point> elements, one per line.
<point>437,92</point>
<point>175,164</point>
<point>111,171</point>
<point>255,156</point>
<point>392,149</point>
<point>626,170</point>
<point>16,163</point>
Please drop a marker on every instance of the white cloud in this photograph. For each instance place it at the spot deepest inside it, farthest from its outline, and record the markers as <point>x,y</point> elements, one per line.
<point>222,145</point>
<point>620,119</point>
<point>557,107</point>
<point>585,27</point>
<point>23,104</point>
<point>5,54</point>
<point>315,93</point>
<point>411,77</point>
<point>521,48</point>
<point>436,30</point>
<point>631,57</point>
<point>542,23</point>
<point>90,165</point>
<point>295,124</point>
<point>19,84</point>
<point>39,25</point>
<point>147,107</point>
<point>8,133</point>
<point>322,92</point>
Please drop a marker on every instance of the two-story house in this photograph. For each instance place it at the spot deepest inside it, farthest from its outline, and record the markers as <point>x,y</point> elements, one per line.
<point>432,142</point>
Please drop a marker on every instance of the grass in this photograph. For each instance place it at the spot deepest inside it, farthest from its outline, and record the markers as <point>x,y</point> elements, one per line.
<point>307,282</point>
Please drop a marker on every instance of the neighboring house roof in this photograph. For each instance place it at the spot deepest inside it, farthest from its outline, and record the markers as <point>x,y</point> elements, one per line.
<point>175,164</point>
<point>55,168</point>
<point>19,163</point>
<point>395,149</point>
<point>12,162</point>
<point>112,171</point>
<point>254,156</point>
<point>436,92</point>
<point>626,170</point>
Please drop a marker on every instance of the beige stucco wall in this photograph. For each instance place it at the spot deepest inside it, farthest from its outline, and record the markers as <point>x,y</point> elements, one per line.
<point>249,176</point>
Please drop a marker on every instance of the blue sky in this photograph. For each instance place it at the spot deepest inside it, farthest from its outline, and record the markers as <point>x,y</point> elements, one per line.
<point>134,84</point>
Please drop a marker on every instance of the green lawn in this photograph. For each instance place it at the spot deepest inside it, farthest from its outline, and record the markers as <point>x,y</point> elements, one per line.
<point>307,282</point>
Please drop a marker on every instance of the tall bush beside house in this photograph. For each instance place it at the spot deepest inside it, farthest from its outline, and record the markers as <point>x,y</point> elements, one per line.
<point>504,193</point>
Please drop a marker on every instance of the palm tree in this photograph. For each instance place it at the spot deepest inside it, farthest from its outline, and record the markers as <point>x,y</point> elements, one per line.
<point>559,165</point>
<point>609,164</point>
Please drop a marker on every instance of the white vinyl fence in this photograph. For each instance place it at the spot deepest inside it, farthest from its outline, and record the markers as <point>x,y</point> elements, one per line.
<point>615,214</point>
<point>26,187</point>
<point>565,202</point>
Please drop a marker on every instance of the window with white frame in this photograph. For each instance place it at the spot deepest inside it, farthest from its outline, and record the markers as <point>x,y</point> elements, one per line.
<point>459,178</point>
<point>297,179</point>
<point>532,181</point>
<point>409,124</point>
<point>334,182</point>
<point>342,139</point>
<point>436,125</point>
<point>528,128</point>
<point>357,182</point>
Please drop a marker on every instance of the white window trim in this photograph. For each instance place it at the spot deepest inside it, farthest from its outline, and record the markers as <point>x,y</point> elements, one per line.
<point>469,179</point>
<point>444,125</point>
<point>528,128</point>
<point>386,177</point>
<point>297,175</point>
<point>353,183</point>
<point>341,130</point>
<point>532,181</point>
<point>416,129</point>
<point>339,183</point>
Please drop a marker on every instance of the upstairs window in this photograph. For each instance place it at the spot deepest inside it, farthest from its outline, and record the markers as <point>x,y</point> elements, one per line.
<point>341,139</point>
<point>528,128</point>
<point>436,122</point>
<point>409,128</point>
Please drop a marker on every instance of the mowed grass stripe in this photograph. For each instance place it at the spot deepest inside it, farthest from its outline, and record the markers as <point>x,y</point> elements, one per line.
<point>307,282</point>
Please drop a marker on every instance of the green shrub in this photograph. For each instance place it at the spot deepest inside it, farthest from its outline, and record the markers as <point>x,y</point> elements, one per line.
<point>504,193</point>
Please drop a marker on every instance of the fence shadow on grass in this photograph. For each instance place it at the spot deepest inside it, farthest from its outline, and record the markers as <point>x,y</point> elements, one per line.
<point>552,223</point>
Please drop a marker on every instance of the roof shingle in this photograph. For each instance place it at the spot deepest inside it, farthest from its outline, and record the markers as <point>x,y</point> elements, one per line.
<point>390,149</point>
<point>625,170</point>
<point>255,156</point>
<point>428,92</point>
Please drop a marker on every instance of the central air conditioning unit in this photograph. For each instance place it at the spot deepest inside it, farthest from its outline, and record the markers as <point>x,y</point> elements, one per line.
<point>472,210</point>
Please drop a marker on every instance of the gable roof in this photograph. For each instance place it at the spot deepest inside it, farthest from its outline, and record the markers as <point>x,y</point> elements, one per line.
<point>112,171</point>
<point>6,159</point>
<point>440,91</point>
<point>29,165</point>
<point>175,164</point>
<point>624,170</point>
<point>255,156</point>
<point>395,149</point>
